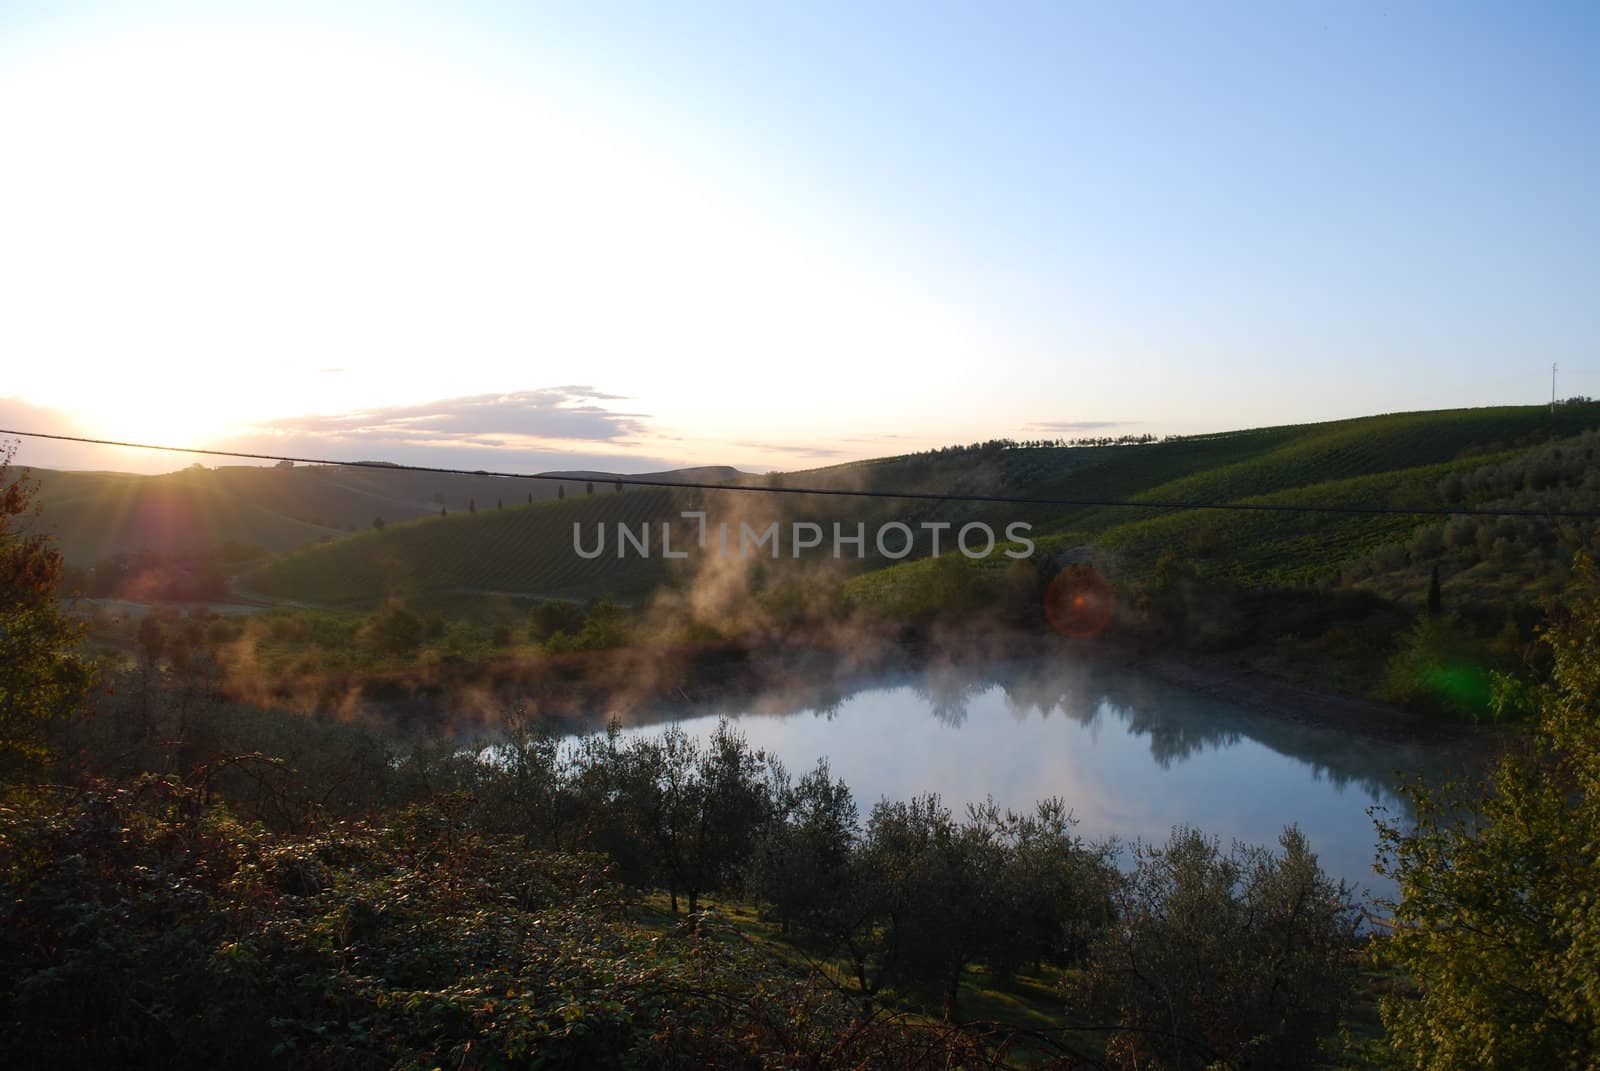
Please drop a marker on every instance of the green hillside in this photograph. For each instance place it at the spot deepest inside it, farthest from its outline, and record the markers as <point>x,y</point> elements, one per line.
<point>519,550</point>
<point>1432,460</point>
<point>528,549</point>
<point>1395,460</point>
<point>96,515</point>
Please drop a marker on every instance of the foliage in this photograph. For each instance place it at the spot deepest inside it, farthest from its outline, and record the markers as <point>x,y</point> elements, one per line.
<point>394,630</point>
<point>1239,959</point>
<point>1497,927</point>
<point>554,615</point>
<point>936,895</point>
<point>1507,556</point>
<point>151,576</point>
<point>604,626</point>
<point>803,861</point>
<point>948,587</point>
<point>42,677</point>
<point>907,908</point>
<point>1441,667</point>
<point>142,928</point>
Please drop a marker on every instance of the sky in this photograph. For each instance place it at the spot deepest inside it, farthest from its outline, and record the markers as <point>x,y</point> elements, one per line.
<point>777,235</point>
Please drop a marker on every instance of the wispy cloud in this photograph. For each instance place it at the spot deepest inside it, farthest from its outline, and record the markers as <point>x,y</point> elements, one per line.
<point>563,427</point>
<point>801,451</point>
<point>567,413</point>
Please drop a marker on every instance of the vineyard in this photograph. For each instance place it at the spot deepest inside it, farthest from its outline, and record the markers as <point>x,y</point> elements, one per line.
<point>1397,460</point>
<point>522,549</point>
<point>1272,547</point>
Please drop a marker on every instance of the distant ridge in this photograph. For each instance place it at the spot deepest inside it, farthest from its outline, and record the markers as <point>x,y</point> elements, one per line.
<point>97,515</point>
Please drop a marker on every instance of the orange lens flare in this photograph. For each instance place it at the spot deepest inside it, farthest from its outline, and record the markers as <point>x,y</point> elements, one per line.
<point>1079,601</point>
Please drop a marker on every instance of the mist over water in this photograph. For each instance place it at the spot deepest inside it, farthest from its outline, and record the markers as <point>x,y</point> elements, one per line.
<point>1131,756</point>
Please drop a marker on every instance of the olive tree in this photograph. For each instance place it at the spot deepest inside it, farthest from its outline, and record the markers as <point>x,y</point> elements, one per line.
<point>1243,958</point>
<point>803,863</point>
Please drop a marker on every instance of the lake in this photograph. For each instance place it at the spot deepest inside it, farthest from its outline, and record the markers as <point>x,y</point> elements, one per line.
<point>1131,756</point>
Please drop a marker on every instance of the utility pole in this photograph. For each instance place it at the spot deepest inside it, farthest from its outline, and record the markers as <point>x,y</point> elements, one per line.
<point>1552,389</point>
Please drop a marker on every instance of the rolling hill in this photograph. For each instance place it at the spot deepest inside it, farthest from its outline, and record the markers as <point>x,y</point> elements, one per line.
<point>1398,460</point>
<point>528,549</point>
<point>95,515</point>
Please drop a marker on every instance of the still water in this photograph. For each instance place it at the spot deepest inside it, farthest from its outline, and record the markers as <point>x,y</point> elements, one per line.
<point>1131,756</point>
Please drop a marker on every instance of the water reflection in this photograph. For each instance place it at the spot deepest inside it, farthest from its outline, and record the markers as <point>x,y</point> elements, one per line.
<point>1132,756</point>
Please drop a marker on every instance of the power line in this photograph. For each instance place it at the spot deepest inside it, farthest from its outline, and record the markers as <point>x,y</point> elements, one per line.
<point>933,496</point>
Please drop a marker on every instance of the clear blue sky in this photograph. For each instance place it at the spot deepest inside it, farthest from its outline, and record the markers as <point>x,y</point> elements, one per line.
<point>778,235</point>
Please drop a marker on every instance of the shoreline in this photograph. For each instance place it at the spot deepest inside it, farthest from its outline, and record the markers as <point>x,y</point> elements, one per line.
<point>635,684</point>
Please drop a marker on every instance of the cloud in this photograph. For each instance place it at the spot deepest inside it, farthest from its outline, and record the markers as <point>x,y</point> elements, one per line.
<point>803,451</point>
<point>525,431</point>
<point>1080,425</point>
<point>567,413</point>
<point>562,427</point>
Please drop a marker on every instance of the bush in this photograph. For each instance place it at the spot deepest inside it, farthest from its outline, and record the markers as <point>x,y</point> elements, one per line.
<point>549,618</point>
<point>140,928</point>
<point>1243,959</point>
<point>934,895</point>
<point>394,631</point>
<point>1442,669</point>
<point>1497,927</point>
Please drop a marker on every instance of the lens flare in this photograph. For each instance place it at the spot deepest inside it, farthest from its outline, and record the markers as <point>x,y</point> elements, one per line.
<point>1079,601</point>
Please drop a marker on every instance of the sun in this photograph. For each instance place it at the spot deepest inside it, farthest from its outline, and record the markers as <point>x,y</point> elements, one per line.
<point>159,417</point>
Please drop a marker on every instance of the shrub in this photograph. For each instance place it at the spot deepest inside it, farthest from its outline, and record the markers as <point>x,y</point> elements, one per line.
<point>1441,668</point>
<point>1238,959</point>
<point>394,630</point>
<point>1497,926</point>
<point>140,928</point>
<point>548,618</point>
